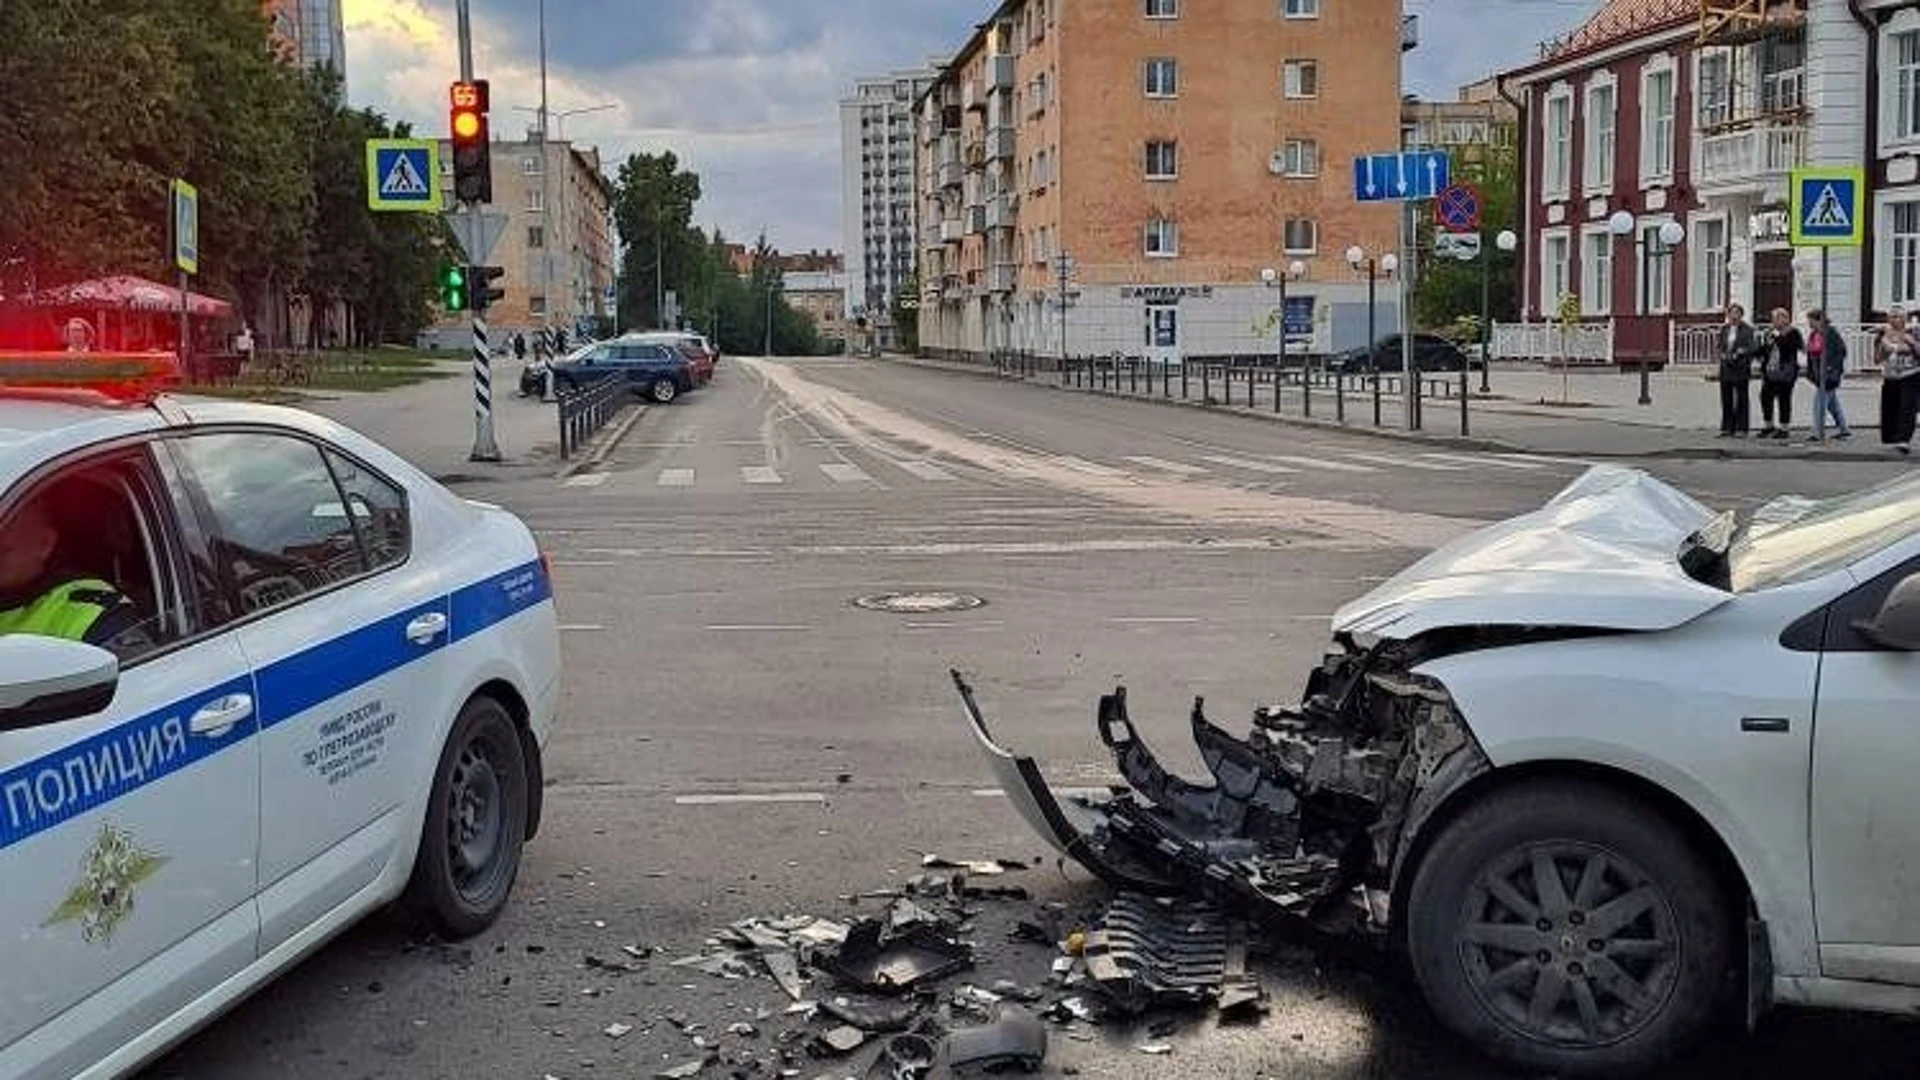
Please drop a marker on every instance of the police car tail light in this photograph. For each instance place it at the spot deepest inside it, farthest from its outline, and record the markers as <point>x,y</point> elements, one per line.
<point>113,378</point>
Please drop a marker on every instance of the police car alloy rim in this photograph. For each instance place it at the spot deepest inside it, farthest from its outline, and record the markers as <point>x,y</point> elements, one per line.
<point>476,822</point>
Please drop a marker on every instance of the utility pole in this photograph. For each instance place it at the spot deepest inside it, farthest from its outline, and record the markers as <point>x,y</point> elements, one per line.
<point>485,448</point>
<point>1063,269</point>
<point>546,211</point>
<point>659,281</point>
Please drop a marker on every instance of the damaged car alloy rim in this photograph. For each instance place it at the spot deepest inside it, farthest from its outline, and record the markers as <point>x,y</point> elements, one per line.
<point>1570,944</point>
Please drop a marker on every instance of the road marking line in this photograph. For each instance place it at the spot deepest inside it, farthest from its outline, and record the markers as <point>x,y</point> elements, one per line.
<point>1322,464</point>
<point>1062,793</point>
<point>586,480</point>
<point>841,472</point>
<point>580,628</point>
<point>750,797</point>
<point>1249,464</point>
<point>925,470</point>
<point>1164,465</point>
<point>1548,458</point>
<point>1486,460</point>
<point>1183,619</point>
<point>676,478</point>
<point>756,628</point>
<point>760,474</point>
<point>1404,463</point>
<point>1088,467</point>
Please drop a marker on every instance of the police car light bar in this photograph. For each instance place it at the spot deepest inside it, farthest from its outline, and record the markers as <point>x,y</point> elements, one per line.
<point>112,378</point>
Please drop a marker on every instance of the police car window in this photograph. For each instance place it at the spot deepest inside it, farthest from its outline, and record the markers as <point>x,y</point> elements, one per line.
<point>378,510</point>
<point>278,526</point>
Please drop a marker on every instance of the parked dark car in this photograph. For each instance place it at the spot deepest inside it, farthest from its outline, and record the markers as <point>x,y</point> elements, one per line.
<point>1430,353</point>
<point>660,370</point>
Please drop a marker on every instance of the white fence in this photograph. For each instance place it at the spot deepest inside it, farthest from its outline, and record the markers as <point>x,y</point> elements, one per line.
<point>1699,343</point>
<point>1581,343</point>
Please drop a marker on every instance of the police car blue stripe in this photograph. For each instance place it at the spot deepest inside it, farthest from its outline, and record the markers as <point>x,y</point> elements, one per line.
<point>89,774</point>
<point>74,780</point>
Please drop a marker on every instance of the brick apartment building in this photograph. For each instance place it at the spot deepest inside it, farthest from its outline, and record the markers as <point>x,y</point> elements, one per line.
<point>1208,141</point>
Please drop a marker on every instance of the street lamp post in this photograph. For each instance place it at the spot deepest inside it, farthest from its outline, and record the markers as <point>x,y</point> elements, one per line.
<point>1666,238</point>
<point>1375,267</point>
<point>1272,278</point>
<point>1506,242</point>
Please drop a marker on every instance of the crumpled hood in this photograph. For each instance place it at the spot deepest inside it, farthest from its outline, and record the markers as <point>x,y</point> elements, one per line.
<point>1601,554</point>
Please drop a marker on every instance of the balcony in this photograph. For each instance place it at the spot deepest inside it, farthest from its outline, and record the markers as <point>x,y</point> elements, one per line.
<point>976,218</point>
<point>1000,213</point>
<point>1003,278</point>
<point>951,230</point>
<point>1756,157</point>
<point>999,73</point>
<point>1000,144</point>
<point>951,173</point>
<point>972,98</point>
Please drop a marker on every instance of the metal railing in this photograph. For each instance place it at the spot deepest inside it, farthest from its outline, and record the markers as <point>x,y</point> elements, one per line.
<point>1696,342</point>
<point>1582,343</point>
<point>584,411</point>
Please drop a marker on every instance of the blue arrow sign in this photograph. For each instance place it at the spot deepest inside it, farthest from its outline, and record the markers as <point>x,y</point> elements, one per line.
<point>1409,174</point>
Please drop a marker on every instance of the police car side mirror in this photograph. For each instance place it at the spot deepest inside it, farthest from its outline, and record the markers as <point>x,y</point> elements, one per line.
<point>46,680</point>
<point>1897,624</point>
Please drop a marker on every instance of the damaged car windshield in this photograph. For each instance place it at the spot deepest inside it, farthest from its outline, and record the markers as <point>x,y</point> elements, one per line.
<point>1794,539</point>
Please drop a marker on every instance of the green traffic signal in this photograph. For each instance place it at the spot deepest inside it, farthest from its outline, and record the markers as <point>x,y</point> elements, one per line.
<point>453,288</point>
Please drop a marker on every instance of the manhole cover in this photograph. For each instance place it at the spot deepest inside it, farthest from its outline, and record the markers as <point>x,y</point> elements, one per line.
<point>919,603</point>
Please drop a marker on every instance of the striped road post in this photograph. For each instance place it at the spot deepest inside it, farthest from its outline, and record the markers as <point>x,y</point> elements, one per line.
<point>484,447</point>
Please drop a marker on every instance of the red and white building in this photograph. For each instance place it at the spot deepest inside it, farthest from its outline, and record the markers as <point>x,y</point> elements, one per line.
<point>1694,112</point>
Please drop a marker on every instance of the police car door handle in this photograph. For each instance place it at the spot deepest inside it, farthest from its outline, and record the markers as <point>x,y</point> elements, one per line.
<point>216,718</point>
<point>424,629</point>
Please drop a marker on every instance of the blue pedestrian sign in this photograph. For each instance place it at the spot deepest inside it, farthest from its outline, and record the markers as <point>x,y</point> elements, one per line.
<point>403,174</point>
<point>1826,207</point>
<point>1408,174</point>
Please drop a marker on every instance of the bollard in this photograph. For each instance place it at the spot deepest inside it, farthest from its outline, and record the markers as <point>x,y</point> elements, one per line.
<point>1183,379</point>
<point>1278,377</point>
<point>1166,380</point>
<point>1133,376</point>
<point>1306,390</point>
<point>1340,398</point>
<point>1375,376</point>
<point>1206,383</point>
<point>1226,376</point>
<point>1463,399</point>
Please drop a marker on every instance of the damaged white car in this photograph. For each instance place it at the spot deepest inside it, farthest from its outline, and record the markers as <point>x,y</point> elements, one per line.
<point>1598,772</point>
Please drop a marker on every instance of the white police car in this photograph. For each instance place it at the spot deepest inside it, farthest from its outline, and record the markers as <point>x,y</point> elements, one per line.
<point>335,697</point>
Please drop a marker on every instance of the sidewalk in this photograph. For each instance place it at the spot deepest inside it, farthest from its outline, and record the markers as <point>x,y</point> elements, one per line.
<point>431,423</point>
<point>1523,413</point>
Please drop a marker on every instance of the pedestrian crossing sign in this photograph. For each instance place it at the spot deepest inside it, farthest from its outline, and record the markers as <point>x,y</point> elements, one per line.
<point>1826,207</point>
<point>403,174</point>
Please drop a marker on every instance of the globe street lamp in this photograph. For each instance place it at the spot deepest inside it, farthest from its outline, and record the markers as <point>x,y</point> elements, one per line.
<point>1272,278</point>
<point>1375,268</point>
<point>1661,245</point>
<point>1507,242</point>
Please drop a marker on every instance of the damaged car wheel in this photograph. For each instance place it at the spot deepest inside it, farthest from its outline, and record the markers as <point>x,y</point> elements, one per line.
<point>1563,926</point>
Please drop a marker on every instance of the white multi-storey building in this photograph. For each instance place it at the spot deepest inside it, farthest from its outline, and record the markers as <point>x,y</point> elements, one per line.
<point>876,177</point>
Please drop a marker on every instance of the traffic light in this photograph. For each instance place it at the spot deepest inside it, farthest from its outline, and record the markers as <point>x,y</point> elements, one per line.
<point>467,124</point>
<point>483,293</point>
<point>453,287</point>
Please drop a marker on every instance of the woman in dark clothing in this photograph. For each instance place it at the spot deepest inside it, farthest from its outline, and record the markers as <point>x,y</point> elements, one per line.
<point>1779,370</point>
<point>1738,344</point>
<point>1899,376</point>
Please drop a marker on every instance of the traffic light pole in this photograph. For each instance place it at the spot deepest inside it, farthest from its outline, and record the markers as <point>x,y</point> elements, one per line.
<point>484,446</point>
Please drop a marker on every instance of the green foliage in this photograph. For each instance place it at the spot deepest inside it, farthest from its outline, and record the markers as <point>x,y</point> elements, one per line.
<point>1449,289</point>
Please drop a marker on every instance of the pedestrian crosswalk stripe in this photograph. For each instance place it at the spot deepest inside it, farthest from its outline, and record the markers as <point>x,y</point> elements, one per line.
<point>587,480</point>
<point>676,478</point>
<point>841,472</point>
<point>1248,464</point>
<point>925,470</point>
<point>760,474</point>
<point>1312,464</point>
<point>1523,466</point>
<point>1405,463</point>
<point>1164,465</point>
<point>1088,467</point>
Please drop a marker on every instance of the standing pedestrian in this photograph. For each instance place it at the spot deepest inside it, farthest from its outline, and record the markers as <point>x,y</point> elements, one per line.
<point>1738,344</point>
<point>1779,370</point>
<point>519,346</point>
<point>1826,367</point>
<point>1896,351</point>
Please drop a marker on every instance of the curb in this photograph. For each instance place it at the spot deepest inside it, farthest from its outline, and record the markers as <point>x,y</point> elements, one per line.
<point>1451,442</point>
<point>604,446</point>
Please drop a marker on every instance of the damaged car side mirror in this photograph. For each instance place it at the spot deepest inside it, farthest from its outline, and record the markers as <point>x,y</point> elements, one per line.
<point>1897,624</point>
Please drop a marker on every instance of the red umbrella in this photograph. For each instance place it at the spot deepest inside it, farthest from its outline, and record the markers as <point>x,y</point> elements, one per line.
<point>123,292</point>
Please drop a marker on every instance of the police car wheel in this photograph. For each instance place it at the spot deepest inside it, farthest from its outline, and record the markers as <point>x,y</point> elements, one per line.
<point>476,822</point>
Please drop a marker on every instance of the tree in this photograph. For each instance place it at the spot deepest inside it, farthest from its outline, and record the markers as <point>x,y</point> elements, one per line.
<point>1449,289</point>
<point>662,251</point>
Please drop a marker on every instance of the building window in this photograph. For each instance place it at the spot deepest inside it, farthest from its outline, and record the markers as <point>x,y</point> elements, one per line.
<point>1783,69</point>
<point>1713,81</point>
<point>530,166</point>
<point>1906,85</point>
<point>1162,160</point>
<point>1903,253</point>
<point>1163,239</point>
<point>1300,236</point>
<point>1163,77</point>
<point>1301,79</point>
<point>1554,280</point>
<point>536,305</point>
<point>1300,157</point>
<point>1600,136</point>
<point>1709,264</point>
<point>1656,272</point>
<point>1302,9</point>
<point>536,236</point>
<point>1656,124</point>
<point>1558,166</point>
<point>1163,9</point>
<point>1596,272</point>
<point>536,200</point>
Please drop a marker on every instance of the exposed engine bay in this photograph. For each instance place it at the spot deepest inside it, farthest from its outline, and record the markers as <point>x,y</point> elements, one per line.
<point>1307,817</point>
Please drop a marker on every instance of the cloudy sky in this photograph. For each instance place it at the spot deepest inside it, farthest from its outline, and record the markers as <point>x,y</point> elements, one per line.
<point>746,91</point>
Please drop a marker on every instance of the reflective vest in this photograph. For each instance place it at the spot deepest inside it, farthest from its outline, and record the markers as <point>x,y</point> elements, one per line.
<point>66,611</point>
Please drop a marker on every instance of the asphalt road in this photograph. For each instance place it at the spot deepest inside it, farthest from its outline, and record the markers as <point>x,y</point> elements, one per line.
<point>741,739</point>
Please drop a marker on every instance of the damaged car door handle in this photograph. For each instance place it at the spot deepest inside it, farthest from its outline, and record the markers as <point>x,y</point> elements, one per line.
<point>1766,725</point>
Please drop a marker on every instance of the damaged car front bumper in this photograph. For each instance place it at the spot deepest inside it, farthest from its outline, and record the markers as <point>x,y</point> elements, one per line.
<point>1307,817</point>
